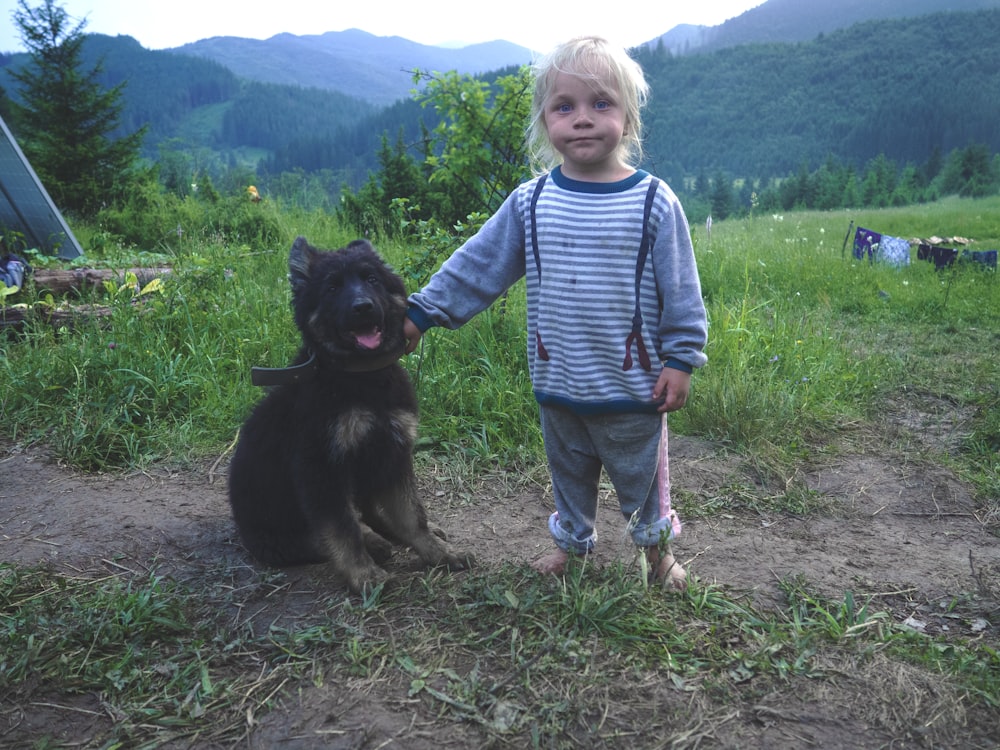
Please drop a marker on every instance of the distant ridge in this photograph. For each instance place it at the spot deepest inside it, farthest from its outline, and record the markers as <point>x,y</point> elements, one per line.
<point>789,21</point>
<point>378,69</point>
<point>372,68</point>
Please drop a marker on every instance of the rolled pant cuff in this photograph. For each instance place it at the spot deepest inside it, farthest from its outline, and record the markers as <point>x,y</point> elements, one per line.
<point>650,535</point>
<point>565,541</point>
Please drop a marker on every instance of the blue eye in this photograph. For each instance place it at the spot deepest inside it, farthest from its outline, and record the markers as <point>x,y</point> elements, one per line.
<point>602,104</point>
<point>564,108</point>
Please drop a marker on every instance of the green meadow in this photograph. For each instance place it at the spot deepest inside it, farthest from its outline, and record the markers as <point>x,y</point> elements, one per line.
<point>804,343</point>
<point>808,350</point>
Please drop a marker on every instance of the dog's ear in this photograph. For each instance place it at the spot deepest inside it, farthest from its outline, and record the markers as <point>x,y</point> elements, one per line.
<point>300,262</point>
<point>360,245</point>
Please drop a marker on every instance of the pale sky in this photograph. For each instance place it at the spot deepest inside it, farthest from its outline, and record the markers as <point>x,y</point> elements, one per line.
<point>536,24</point>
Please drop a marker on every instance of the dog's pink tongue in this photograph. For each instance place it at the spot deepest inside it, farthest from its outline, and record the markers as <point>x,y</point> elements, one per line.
<point>370,340</point>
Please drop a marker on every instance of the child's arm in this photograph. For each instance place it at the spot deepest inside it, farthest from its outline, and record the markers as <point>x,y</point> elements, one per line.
<point>475,275</point>
<point>683,324</point>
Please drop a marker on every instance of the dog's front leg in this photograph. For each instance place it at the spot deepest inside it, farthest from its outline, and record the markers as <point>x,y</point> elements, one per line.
<point>398,514</point>
<point>336,531</point>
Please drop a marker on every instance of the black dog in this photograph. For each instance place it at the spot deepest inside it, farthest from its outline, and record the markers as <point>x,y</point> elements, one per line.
<point>326,457</point>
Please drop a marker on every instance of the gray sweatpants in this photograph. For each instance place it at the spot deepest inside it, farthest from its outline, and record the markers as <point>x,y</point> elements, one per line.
<point>626,445</point>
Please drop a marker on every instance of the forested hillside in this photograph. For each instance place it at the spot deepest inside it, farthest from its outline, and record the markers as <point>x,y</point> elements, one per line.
<point>901,88</point>
<point>801,20</point>
<point>905,88</point>
<point>163,90</point>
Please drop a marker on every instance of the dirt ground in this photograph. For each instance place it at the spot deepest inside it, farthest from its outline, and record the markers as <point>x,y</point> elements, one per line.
<point>899,529</point>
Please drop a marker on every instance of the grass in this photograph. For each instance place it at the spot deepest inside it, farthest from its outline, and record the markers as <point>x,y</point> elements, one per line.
<point>804,341</point>
<point>808,351</point>
<point>526,659</point>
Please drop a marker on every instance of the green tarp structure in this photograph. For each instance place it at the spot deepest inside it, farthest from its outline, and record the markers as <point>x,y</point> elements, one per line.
<point>25,205</point>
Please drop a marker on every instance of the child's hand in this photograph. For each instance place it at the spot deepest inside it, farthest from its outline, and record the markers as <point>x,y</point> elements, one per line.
<point>412,335</point>
<point>672,387</point>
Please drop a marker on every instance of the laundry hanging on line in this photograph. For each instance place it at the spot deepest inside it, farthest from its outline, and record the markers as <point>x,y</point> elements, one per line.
<point>881,248</point>
<point>986,258</point>
<point>876,247</point>
<point>943,257</point>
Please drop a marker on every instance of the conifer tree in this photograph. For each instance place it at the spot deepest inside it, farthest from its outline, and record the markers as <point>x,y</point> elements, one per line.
<point>66,119</point>
<point>722,196</point>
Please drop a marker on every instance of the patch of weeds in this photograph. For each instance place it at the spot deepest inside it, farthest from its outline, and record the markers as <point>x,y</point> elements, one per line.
<point>591,657</point>
<point>794,498</point>
<point>836,620</point>
<point>162,669</point>
<point>975,670</point>
<point>544,642</point>
<point>104,626</point>
<point>973,667</point>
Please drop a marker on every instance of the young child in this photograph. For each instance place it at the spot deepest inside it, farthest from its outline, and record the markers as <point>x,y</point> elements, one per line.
<point>616,322</point>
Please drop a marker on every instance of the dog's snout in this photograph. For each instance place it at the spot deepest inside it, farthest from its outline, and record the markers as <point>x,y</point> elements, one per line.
<point>362,306</point>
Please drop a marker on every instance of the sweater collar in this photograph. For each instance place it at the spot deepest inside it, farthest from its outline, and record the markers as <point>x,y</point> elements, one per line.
<point>601,188</point>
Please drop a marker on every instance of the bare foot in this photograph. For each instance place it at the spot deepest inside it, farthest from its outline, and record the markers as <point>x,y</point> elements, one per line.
<point>666,569</point>
<point>553,562</point>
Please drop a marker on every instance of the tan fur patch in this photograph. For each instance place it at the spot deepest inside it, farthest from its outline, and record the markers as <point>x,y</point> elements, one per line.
<point>351,428</point>
<point>404,426</point>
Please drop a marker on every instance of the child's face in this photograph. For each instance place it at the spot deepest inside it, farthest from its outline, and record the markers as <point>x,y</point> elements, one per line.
<point>585,123</point>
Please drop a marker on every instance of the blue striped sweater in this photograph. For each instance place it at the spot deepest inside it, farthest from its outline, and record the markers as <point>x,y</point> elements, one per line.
<point>582,304</point>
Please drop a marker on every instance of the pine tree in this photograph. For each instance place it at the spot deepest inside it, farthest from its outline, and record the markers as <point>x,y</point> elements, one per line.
<point>722,196</point>
<point>65,119</point>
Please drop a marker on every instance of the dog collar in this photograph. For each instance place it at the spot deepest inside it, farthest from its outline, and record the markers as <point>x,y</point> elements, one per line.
<point>285,375</point>
<point>265,376</point>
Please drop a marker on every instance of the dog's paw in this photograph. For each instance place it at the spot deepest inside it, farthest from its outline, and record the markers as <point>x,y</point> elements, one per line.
<point>360,580</point>
<point>459,561</point>
<point>438,532</point>
<point>378,546</point>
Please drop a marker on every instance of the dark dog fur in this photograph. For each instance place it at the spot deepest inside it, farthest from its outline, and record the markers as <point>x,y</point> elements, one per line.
<point>324,461</point>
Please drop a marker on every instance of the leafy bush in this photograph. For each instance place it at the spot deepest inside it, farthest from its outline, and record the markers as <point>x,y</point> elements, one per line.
<point>469,163</point>
<point>149,216</point>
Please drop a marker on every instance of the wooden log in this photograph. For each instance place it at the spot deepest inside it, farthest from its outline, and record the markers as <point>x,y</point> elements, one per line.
<point>14,318</point>
<point>63,281</point>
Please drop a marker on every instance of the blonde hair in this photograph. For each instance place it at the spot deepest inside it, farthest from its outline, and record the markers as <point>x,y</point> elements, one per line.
<point>595,59</point>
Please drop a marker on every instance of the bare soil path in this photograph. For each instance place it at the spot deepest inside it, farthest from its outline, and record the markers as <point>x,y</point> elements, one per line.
<point>903,532</point>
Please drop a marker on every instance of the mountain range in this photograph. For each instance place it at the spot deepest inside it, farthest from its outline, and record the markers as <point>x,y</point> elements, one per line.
<point>372,68</point>
<point>786,84</point>
<point>379,69</point>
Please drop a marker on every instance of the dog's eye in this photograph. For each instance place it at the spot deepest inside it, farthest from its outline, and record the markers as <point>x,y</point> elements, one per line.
<point>372,279</point>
